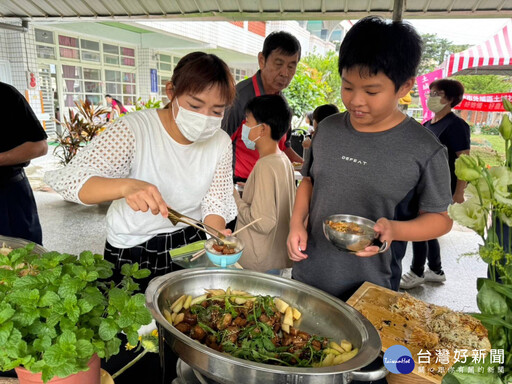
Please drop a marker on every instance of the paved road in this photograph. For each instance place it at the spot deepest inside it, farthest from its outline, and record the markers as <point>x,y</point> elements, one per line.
<point>73,228</point>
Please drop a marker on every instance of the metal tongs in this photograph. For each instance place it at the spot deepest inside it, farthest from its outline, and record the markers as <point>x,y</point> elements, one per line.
<point>177,217</point>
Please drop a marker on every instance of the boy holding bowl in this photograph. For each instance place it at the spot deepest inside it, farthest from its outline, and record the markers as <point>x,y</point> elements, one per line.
<point>371,161</point>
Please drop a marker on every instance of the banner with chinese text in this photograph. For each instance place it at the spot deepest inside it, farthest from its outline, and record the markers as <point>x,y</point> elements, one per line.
<point>424,82</point>
<point>487,103</point>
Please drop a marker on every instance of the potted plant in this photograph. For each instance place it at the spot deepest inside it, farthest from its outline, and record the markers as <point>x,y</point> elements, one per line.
<point>59,312</point>
<point>79,129</point>
<point>488,211</point>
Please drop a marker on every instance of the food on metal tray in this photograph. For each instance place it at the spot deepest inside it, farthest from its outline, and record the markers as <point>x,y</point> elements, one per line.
<point>258,328</point>
<point>434,328</point>
<point>345,227</point>
<point>440,326</point>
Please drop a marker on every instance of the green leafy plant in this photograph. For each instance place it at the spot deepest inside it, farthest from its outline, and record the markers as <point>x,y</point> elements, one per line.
<point>488,130</point>
<point>306,91</point>
<point>150,104</point>
<point>327,67</point>
<point>58,310</point>
<point>488,211</point>
<point>80,128</point>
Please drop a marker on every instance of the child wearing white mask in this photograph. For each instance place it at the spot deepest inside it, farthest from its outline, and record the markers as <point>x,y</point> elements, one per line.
<point>454,134</point>
<point>149,160</point>
<point>269,192</point>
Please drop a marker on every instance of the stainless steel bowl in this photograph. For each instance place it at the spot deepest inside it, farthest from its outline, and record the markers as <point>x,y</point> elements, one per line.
<point>348,241</point>
<point>14,242</point>
<point>322,314</point>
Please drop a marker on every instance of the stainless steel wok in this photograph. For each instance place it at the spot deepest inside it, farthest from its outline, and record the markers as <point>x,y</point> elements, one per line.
<point>322,314</point>
<point>15,242</point>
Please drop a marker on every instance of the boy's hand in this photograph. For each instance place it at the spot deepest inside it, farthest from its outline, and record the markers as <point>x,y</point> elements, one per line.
<point>297,242</point>
<point>384,228</point>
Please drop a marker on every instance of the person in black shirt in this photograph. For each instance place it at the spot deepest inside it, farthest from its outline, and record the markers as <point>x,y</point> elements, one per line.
<point>454,134</point>
<point>23,139</point>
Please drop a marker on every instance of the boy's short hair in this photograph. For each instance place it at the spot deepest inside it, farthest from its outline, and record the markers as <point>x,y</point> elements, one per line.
<point>452,89</point>
<point>282,41</point>
<point>272,110</point>
<point>324,111</point>
<point>374,45</point>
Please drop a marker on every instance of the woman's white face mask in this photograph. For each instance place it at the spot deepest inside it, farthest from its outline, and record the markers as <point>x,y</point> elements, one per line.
<point>195,126</point>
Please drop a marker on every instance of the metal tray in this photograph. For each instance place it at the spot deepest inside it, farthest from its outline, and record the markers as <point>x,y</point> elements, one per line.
<point>322,314</point>
<point>14,242</point>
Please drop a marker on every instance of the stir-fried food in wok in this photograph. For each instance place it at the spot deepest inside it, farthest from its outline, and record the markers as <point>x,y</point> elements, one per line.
<point>256,328</point>
<point>343,226</point>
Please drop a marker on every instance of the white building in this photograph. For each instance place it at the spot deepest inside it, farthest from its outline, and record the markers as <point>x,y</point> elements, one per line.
<point>86,60</point>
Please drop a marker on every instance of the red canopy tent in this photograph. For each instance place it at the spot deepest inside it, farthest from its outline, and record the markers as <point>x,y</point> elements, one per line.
<point>493,56</point>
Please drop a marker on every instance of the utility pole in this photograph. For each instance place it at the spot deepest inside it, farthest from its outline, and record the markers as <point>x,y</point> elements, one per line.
<point>398,10</point>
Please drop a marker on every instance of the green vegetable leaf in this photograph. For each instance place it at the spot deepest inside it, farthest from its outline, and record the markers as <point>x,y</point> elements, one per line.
<point>41,329</point>
<point>99,348</point>
<point>25,317</point>
<point>91,276</point>
<point>108,329</point>
<point>141,273</point>
<point>87,258</point>
<point>132,336</point>
<point>491,320</point>
<point>72,308</point>
<point>5,332</point>
<point>49,298</point>
<point>67,337</point>
<point>56,355</point>
<point>84,349</point>
<point>69,287</point>
<point>84,306</point>
<point>491,302</point>
<point>118,298</point>
<point>42,344</point>
<point>24,297</point>
<point>6,312</point>
<point>129,269</point>
<point>112,347</point>
<point>93,296</point>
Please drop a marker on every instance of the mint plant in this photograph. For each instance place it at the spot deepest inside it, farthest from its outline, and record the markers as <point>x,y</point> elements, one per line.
<point>57,310</point>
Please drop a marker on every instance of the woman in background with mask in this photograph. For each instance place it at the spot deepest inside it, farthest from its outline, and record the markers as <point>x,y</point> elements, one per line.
<point>454,134</point>
<point>148,160</point>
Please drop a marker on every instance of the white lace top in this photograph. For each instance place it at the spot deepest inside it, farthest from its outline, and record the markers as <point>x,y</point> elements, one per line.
<point>194,179</point>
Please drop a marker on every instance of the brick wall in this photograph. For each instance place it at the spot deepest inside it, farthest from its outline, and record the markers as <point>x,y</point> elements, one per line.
<point>258,27</point>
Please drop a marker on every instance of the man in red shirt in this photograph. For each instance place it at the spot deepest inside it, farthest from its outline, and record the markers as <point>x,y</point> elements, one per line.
<point>278,63</point>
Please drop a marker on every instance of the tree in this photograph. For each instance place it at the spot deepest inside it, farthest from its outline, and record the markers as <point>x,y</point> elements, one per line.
<point>327,67</point>
<point>480,84</point>
<point>306,91</point>
<point>435,51</point>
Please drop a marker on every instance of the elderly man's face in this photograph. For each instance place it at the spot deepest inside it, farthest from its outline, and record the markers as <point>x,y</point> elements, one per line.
<point>277,70</point>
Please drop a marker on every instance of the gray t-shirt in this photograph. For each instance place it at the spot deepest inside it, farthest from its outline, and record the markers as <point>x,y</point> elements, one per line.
<point>372,175</point>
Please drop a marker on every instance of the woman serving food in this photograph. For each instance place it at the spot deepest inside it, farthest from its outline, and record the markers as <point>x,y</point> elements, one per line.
<point>148,160</point>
